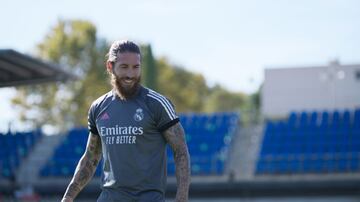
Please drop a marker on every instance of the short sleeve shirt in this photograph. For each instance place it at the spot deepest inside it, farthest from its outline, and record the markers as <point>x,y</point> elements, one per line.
<point>134,150</point>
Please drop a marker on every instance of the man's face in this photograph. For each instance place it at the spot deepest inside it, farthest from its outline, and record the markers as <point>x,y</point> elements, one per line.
<point>126,73</point>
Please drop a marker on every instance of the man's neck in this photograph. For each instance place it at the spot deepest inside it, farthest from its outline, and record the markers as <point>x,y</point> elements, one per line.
<point>127,97</point>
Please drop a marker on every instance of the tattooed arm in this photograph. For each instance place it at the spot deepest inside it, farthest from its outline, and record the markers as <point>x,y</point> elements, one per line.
<point>85,168</point>
<point>175,137</point>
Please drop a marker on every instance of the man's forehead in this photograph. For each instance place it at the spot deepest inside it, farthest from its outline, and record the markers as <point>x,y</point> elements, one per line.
<point>128,54</point>
<point>128,57</point>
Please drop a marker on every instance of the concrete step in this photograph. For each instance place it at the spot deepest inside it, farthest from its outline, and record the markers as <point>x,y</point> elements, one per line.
<point>244,152</point>
<point>43,150</point>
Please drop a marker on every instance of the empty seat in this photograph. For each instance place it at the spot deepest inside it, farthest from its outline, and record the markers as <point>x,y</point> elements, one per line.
<point>326,144</point>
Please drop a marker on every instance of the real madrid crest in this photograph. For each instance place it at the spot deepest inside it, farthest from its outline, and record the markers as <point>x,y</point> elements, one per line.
<point>139,115</point>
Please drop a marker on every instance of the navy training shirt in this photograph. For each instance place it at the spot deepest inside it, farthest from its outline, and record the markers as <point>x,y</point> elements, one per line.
<point>134,150</point>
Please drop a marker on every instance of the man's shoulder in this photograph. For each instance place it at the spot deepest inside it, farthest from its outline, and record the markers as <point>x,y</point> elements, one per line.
<point>154,97</point>
<point>103,99</point>
<point>159,102</point>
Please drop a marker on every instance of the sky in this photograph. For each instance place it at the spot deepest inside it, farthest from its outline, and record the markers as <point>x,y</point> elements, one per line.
<point>229,42</point>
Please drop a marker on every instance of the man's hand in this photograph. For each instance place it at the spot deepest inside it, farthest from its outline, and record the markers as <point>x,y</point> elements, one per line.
<point>176,138</point>
<point>85,168</point>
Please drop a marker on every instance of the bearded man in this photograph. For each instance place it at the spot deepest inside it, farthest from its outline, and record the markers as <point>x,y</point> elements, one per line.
<point>129,127</point>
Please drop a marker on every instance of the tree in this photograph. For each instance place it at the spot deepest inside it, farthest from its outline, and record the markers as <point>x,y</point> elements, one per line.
<point>149,68</point>
<point>73,45</point>
<point>187,90</point>
<point>223,100</point>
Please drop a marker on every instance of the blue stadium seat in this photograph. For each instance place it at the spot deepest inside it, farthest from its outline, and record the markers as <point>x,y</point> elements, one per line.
<point>14,148</point>
<point>292,120</point>
<point>311,144</point>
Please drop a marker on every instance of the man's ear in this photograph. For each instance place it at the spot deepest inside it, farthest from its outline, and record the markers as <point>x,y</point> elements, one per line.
<point>109,66</point>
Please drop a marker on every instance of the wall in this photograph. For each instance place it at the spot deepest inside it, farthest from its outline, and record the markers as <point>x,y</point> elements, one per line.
<point>310,88</point>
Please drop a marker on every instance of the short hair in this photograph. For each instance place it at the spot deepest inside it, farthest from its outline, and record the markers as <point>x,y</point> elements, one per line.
<point>122,46</point>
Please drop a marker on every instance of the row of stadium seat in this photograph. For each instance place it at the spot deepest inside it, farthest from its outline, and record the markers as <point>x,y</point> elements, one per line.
<point>14,147</point>
<point>201,119</point>
<point>309,164</point>
<point>335,119</point>
<point>278,140</point>
<point>321,143</point>
<point>67,154</point>
<point>207,135</point>
<point>60,167</point>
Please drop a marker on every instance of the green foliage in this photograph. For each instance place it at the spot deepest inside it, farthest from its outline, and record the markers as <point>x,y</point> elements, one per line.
<point>149,69</point>
<point>73,45</point>
<point>223,100</point>
<point>187,90</point>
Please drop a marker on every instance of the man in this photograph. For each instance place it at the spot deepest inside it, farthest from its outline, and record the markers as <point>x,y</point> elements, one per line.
<point>129,128</point>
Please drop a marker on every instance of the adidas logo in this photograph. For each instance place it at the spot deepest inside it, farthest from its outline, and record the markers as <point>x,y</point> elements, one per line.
<point>105,116</point>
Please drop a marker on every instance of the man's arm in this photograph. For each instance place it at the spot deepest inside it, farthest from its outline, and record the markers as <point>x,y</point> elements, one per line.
<point>176,139</point>
<point>85,168</point>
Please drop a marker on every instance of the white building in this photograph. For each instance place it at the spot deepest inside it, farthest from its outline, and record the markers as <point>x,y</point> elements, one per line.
<point>310,88</point>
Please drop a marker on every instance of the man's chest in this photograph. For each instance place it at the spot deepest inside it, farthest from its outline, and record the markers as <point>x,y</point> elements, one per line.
<point>126,123</point>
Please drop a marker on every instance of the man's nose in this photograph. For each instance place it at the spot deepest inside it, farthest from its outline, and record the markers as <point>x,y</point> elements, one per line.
<point>130,73</point>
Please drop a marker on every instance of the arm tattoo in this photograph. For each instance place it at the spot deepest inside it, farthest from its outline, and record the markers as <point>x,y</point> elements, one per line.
<point>86,167</point>
<point>176,138</point>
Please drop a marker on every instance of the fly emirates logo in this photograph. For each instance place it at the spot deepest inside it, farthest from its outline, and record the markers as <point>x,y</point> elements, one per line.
<point>121,135</point>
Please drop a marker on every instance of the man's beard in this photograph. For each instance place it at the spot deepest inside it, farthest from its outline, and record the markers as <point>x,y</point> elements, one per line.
<point>122,91</point>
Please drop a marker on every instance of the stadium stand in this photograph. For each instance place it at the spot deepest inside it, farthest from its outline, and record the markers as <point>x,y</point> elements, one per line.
<point>208,137</point>
<point>14,148</point>
<point>67,154</point>
<point>311,142</point>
